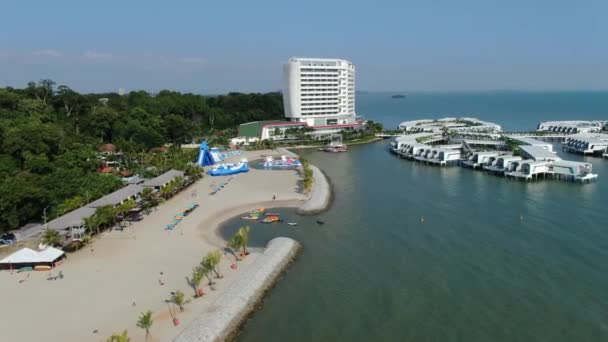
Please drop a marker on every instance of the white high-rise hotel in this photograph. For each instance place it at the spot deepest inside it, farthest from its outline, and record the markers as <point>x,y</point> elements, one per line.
<point>320,92</point>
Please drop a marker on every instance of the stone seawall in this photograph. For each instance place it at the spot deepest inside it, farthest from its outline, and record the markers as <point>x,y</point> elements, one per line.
<point>320,196</point>
<point>231,309</point>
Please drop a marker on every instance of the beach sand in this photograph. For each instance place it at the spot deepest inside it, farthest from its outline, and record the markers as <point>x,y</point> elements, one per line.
<point>109,283</point>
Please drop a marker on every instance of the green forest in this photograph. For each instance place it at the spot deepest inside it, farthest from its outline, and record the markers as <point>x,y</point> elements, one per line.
<point>50,137</point>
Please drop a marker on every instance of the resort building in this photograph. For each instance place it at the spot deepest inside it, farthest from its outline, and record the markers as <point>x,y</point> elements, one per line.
<point>73,224</point>
<point>479,159</point>
<point>537,153</point>
<point>570,170</point>
<point>158,182</point>
<point>502,163</point>
<point>573,126</point>
<point>456,125</point>
<point>586,143</point>
<point>536,160</point>
<point>532,142</point>
<point>118,196</point>
<point>320,92</point>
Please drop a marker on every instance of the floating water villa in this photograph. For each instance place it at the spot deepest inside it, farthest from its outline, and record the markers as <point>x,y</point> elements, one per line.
<point>533,159</point>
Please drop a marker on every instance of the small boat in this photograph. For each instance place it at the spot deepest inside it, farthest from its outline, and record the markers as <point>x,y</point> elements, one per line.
<point>319,222</point>
<point>292,223</point>
<point>258,211</point>
<point>335,145</point>
<point>250,218</point>
<point>272,214</point>
<point>271,219</point>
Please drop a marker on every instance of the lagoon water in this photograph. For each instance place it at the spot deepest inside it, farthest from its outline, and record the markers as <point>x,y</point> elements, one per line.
<point>494,260</point>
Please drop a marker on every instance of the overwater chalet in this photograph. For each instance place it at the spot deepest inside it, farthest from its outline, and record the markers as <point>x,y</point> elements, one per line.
<point>573,171</point>
<point>479,159</point>
<point>532,142</point>
<point>537,153</point>
<point>536,158</point>
<point>502,163</point>
<point>590,144</point>
<point>572,126</point>
<point>445,157</point>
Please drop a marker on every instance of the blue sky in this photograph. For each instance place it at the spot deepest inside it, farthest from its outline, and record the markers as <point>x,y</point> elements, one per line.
<point>220,46</point>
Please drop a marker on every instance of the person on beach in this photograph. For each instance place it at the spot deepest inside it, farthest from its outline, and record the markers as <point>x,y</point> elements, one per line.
<point>274,197</point>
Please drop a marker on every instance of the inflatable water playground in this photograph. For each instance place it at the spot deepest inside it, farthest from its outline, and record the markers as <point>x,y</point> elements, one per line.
<point>212,157</point>
<point>229,169</point>
<point>207,156</point>
<point>283,163</point>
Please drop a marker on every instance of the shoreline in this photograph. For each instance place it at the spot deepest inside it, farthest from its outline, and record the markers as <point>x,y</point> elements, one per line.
<point>221,218</point>
<point>320,196</point>
<point>303,147</point>
<point>238,302</point>
<point>134,270</point>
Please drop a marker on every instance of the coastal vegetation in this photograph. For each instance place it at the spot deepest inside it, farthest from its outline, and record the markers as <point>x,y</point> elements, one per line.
<point>122,337</point>
<point>239,241</point>
<point>145,322</point>
<point>179,299</point>
<point>195,280</point>
<point>307,174</point>
<point>211,263</point>
<point>50,139</point>
<point>51,237</point>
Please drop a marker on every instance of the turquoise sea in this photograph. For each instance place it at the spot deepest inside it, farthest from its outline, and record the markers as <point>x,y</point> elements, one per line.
<point>494,260</point>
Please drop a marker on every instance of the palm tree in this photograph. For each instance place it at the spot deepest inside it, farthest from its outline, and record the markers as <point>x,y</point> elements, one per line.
<point>166,191</point>
<point>212,261</point>
<point>105,215</point>
<point>179,299</point>
<point>92,223</point>
<point>124,337</point>
<point>51,237</point>
<point>194,172</point>
<point>124,208</point>
<point>244,234</point>
<point>235,244</point>
<point>205,271</point>
<point>145,322</point>
<point>197,276</point>
<point>178,183</point>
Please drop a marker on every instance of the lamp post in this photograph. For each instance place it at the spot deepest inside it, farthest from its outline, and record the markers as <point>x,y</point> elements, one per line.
<point>44,214</point>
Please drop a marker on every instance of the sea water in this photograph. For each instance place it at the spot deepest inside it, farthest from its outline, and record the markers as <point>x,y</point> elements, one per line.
<point>412,252</point>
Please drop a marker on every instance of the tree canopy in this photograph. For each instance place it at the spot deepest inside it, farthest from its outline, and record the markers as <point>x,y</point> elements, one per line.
<point>50,137</point>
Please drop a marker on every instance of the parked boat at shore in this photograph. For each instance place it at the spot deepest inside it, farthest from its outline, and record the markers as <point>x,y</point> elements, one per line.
<point>335,145</point>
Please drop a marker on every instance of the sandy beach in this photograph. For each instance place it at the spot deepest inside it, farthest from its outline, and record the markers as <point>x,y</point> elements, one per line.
<point>109,283</point>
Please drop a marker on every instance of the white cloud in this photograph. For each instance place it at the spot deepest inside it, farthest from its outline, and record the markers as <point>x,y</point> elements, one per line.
<point>192,60</point>
<point>47,53</point>
<point>97,55</point>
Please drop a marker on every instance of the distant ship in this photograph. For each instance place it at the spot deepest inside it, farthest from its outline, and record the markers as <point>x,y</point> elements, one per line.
<point>398,96</point>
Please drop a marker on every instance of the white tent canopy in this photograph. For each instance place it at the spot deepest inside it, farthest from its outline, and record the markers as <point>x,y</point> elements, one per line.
<point>30,256</point>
